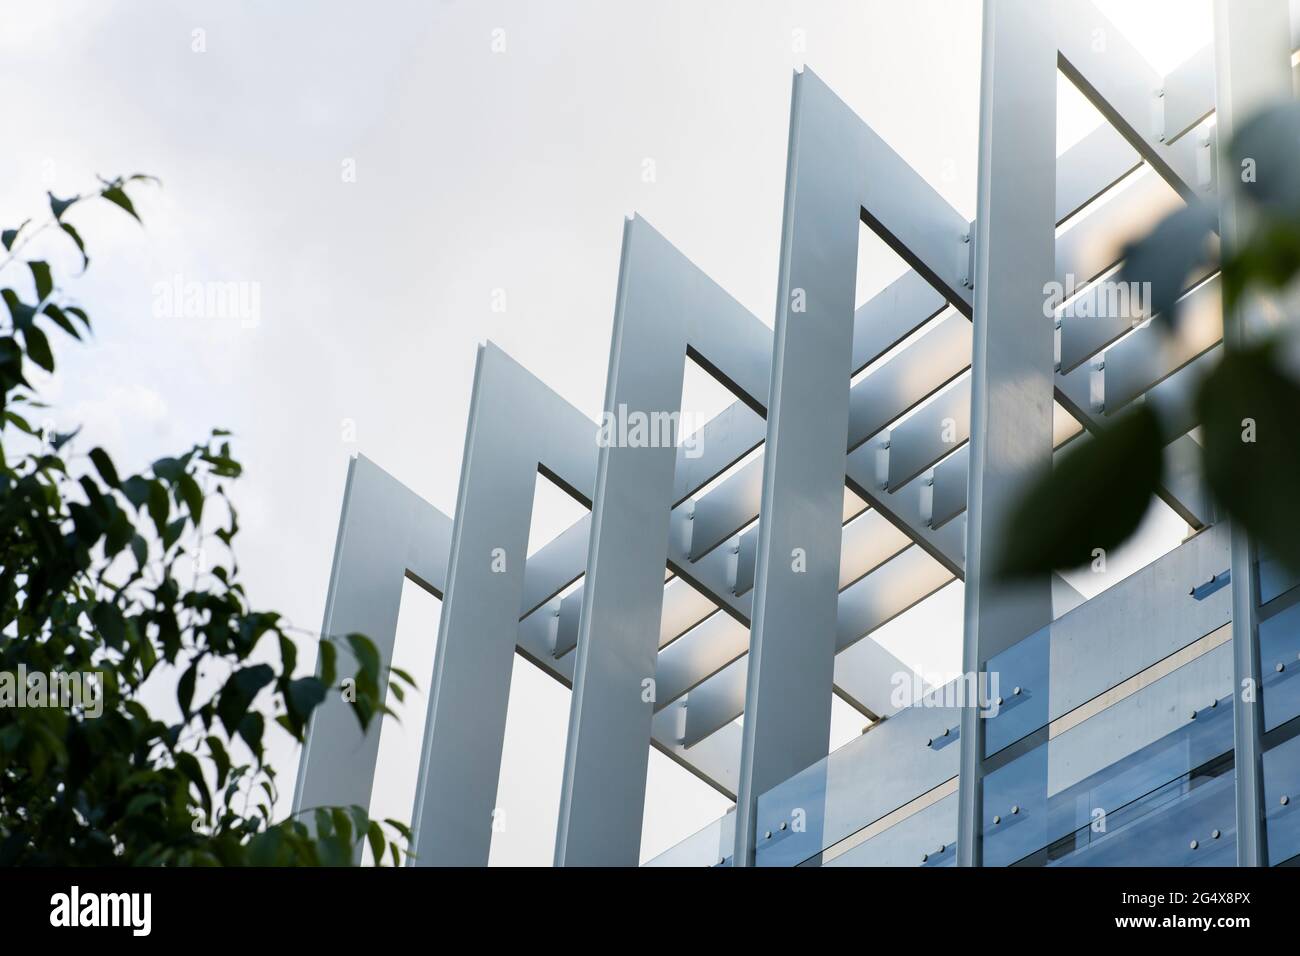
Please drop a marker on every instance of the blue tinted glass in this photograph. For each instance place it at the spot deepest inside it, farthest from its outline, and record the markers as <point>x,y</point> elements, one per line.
<point>848,790</point>
<point>1018,679</point>
<point>1274,579</point>
<point>712,846</point>
<point>926,838</point>
<point>1282,781</point>
<point>1189,822</point>
<point>1087,785</point>
<point>1279,655</point>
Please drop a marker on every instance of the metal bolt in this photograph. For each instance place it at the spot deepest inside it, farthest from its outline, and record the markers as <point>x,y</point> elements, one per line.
<point>997,819</point>
<point>1285,800</point>
<point>783,824</point>
<point>1015,692</point>
<point>1193,715</point>
<point>1195,844</point>
<point>999,701</point>
<point>767,835</point>
<point>946,731</point>
<point>1214,703</point>
<point>929,741</point>
<point>924,857</point>
<point>1215,834</point>
<point>1015,808</point>
<point>1280,667</point>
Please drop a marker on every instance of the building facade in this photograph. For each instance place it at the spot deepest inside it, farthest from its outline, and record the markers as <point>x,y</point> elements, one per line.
<point>872,455</point>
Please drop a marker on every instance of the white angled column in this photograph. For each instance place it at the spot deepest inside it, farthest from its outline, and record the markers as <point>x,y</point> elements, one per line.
<point>1012,348</point>
<point>796,577</point>
<point>386,534</point>
<point>517,425</point>
<point>666,307</point>
<point>1252,54</point>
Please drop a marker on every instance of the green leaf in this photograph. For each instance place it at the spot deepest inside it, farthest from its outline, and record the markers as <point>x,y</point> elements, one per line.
<point>1270,258</point>
<point>110,622</point>
<point>328,662</point>
<point>1263,158</point>
<point>104,465</point>
<point>19,311</point>
<point>136,490</point>
<point>1249,413</point>
<point>1094,497</point>
<point>304,695</point>
<point>168,469</point>
<point>60,319</point>
<point>220,758</point>
<point>367,655</point>
<point>185,686</point>
<point>140,550</point>
<point>38,348</point>
<point>59,439</point>
<point>141,802</point>
<point>81,246</point>
<point>238,692</point>
<point>118,197</point>
<point>79,313</point>
<point>342,824</point>
<point>159,507</point>
<point>375,834</point>
<point>173,533</point>
<point>8,236</point>
<point>60,206</point>
<point>251,728</point>
<point>1171,252</point>
<point>399,826</point>
<point>42,277</point>
<point>189,765</point>
<point>193,497</point>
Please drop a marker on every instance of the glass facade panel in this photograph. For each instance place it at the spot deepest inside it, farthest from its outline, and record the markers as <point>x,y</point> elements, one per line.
<point>1279,656</point>
<point>889,766</point>
<point>1018,684</point>
<point>712,846</point>
<point>1275,579</point>
<point>926,838</point>
<point>1142,769</point>
<point>1282,801</point>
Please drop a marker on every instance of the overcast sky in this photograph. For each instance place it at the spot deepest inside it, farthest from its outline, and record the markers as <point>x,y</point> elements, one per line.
<point>375,173</point>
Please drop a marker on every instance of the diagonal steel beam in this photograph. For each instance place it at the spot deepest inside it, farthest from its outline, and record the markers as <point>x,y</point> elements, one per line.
<point>1127,91</point>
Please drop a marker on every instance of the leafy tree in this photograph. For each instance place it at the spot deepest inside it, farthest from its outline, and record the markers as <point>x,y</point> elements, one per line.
<point>1247,406</point>
<point>101,573</point>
